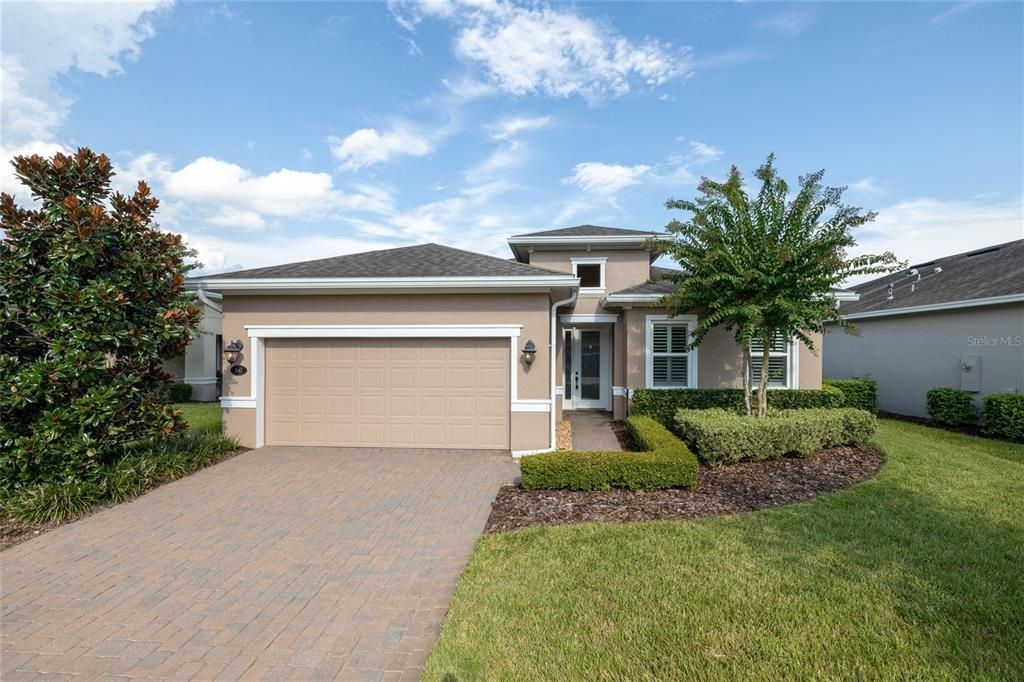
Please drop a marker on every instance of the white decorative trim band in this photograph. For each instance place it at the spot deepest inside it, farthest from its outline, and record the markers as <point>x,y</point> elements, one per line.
<point>247,403</point>
<point>200,381</point>
<point>585,319</point>
<point>531,405</point>
<point>320,331</point>
<point>516,454</point>
<point>559,390</point>
<point>620,391</point>
<point>616,299</point>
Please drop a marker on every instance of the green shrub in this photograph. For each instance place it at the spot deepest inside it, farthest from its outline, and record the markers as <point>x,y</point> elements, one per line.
<point>53,502</point>
<point>951,407</point>
<point>724,436</point>
<point>179,392</point>
<point>859,393</point>
<point>142,467</point>
<point>662,404</point>
<point>664,463</point>
<point>1004,416</point>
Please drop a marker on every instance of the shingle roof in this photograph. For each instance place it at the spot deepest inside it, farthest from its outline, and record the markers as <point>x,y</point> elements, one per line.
<point>587,231</point>
<point>424,260</point>
<point>653,285</point>
<point>983,273</point>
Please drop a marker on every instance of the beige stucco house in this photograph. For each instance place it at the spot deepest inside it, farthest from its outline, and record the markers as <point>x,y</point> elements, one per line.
<point>199,364</point>
<point>434,347</point>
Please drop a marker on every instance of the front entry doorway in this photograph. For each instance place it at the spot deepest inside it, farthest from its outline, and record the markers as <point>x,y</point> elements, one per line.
<point>588,368</point>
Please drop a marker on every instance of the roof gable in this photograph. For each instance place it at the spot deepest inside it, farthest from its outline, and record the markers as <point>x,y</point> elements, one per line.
<point>587,231</point>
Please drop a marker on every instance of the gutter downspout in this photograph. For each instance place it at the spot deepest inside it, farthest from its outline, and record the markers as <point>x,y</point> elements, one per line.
<point>201,295</point>
<point>554,339</point>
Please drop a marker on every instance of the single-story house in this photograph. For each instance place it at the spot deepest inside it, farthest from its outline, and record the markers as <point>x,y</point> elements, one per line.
<point>953,322</point>
<point>434,347</point>
<point>199,366</point>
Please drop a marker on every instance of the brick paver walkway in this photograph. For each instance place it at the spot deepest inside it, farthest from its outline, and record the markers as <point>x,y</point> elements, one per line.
<point>282,563</point>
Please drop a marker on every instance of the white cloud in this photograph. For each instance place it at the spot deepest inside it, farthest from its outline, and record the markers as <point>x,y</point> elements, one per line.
<point>919,230</point>
<point>226,194</point>
<point>219,254</point>
<point>512,154</point>
<point>606,178</point>
<point>307,155</point>
<point>788,24</point>
<point>554,51</point>
<point>866,186</point>
<point>701,153</point>
<point>9,183</point>
<point>511,127</point>
<point>368,146</point>
<point>43,40</point>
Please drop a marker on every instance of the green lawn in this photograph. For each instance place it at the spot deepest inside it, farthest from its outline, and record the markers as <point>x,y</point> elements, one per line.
<point>916,574</point>
<point>201,417</point>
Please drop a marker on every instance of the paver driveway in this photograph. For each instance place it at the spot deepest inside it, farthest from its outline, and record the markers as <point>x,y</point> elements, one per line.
<point>298,563</point>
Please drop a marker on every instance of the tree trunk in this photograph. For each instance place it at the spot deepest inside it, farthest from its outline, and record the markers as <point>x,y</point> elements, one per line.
<point>762,392</point>
<point>747,381</point>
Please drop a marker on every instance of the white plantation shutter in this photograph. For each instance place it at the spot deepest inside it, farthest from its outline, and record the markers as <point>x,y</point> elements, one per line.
<point>670,356</point>
<point>778,362</point>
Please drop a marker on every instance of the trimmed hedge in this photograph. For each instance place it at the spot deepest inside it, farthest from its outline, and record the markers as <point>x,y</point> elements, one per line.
<point>1004,416</point>
<point>179,392</point>
<point>666,462</point>
<point>859,393</point>
<point>662,405</point>
<point>723,436</point>
<point>951,407</point>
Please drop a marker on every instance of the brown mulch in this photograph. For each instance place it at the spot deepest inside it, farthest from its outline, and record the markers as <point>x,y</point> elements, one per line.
<point>13,532</point>
<point>746,486</point>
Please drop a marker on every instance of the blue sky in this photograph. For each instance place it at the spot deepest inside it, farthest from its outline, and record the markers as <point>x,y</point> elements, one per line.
<point>277,132</point>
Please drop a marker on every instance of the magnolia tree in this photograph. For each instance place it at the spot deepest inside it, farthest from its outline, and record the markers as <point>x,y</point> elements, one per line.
<point>92,296</point>
<point>766,265</point>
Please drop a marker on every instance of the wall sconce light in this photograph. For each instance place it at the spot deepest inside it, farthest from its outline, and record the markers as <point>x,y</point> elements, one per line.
<point>232,350</point>
<point>529,352</point>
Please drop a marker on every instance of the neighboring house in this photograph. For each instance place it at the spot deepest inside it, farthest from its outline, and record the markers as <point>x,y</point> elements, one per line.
<point>434,347</point>
<point>956,321</point>
<point>200,364</point>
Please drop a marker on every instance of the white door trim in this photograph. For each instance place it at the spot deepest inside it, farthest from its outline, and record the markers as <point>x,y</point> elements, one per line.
<point>605,401</point>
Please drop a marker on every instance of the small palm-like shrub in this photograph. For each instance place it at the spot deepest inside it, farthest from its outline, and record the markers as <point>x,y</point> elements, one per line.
<point>141,468</point>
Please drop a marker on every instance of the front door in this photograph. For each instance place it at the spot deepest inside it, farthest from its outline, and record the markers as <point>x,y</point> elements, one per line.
<point>587,369</point>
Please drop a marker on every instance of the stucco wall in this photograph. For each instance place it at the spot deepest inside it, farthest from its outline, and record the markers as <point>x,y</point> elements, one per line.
<point>530,310</point>
<point>909,354</point>
<point>625,268</point>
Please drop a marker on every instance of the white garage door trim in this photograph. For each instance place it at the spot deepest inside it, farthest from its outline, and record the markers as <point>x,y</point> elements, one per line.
<point>257,334</point>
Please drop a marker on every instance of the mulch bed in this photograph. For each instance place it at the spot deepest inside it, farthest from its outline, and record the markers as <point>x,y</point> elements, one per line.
<point>746,486</point>
<point>13,532</point>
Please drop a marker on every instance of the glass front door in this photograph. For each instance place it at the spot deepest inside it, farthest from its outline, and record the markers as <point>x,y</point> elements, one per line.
<point>587,369</point>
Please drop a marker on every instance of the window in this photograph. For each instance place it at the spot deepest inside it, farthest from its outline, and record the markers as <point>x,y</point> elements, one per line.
<point>778,362</point>
<point>670,362</point>
<point>591,274</point>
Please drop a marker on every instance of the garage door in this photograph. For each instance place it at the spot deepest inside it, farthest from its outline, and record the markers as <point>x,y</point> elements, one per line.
<point>402,393</point>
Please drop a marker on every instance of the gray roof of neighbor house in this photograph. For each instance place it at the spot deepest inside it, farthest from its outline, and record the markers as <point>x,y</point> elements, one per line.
<point>993,272</point>
<point>424,260</point>
<point>587,231</point>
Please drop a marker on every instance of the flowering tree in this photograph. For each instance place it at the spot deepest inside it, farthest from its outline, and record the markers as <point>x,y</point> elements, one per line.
<point>92,296</point>
<point>765,266</point>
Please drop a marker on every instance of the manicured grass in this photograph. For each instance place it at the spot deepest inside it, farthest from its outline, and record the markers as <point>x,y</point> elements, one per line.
<point>201,417</point>
<point>916,574</point>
